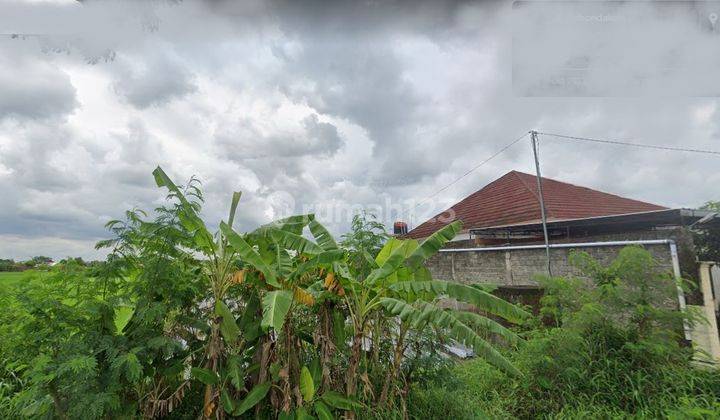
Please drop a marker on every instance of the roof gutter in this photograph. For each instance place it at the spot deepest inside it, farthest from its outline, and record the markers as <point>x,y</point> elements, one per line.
<point>559,246</point>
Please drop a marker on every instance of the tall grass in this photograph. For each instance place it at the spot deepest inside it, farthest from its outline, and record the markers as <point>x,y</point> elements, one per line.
<point>566,378</point>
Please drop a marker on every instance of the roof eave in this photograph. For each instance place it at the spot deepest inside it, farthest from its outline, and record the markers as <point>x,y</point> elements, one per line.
<point>679,216</point>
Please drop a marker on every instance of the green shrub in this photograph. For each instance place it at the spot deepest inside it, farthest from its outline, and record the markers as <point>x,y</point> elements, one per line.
<point>567,376</point>
<point>614,352</point>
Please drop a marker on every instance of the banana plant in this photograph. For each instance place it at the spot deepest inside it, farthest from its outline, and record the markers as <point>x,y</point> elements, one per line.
<point>267,251</point>
<point>396,260</point>
<point>323,405</point>
<point>218,267</point>
<point>288,269</point>
<point>281,270</point>
<point>402,287</point>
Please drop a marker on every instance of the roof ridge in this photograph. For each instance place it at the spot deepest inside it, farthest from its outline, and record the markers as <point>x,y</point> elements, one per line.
<point>527,187</point>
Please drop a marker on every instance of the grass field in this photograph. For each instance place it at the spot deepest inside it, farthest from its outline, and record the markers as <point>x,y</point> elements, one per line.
<point>12,279</point>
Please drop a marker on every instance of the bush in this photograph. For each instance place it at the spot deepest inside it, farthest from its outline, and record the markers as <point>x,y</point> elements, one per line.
<point>569,376</point>
<point>613,351</point>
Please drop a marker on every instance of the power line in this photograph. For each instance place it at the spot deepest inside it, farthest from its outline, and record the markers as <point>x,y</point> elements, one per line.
<point>623,143</point>
<point>493,156</point>
<point>561,136</point>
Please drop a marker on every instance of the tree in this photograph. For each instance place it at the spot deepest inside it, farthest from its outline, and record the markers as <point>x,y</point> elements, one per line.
<point>8,265</point>
<point>364,241</point>
<point>187,322</point>
<point>56,341</point>
<point>38,261</point>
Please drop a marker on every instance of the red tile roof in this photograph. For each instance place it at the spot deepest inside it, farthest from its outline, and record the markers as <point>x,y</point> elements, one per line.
<point>513,199</point>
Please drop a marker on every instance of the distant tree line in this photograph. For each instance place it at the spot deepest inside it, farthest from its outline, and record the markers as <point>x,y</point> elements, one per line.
<point>34,262</point>
<point>39,262</point>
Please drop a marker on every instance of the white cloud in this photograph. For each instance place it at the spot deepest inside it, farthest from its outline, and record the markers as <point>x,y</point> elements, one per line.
<point>327,109</point>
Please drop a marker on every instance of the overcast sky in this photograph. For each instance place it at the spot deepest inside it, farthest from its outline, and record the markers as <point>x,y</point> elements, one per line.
<point>331,108</point>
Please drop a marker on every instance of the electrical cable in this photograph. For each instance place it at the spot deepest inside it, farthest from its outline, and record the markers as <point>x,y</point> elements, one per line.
<point>493,156</point>
<point>623,143</point>
<point>566,137</point>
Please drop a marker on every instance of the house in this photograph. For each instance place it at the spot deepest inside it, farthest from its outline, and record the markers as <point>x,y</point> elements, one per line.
<point>507,211</point>
<point>503,243</point>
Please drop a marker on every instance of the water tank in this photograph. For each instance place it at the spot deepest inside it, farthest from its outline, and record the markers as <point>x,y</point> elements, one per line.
<point>400,228</point>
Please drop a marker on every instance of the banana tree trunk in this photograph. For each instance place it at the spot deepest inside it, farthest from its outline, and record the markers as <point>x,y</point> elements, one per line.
<point>324,338</point>
<point>354,362</point>
<point>391,375</point>
<point>214,353</point>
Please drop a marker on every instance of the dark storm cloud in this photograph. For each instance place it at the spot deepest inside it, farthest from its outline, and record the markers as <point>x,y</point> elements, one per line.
<point>328,19</point>
<point>311,105</point>
<point>30,86</point>
<point>33,158</point>
<point>243,140</point>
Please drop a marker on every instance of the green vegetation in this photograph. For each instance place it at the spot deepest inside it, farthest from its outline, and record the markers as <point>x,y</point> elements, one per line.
<point>285,322</point>
<point>281,321</point>
<point>39,262</point>
<point>12,280</point>
<point>612,351</point>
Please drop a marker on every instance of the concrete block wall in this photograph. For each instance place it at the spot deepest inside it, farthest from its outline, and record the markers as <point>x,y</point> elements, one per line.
<point>519,267</point>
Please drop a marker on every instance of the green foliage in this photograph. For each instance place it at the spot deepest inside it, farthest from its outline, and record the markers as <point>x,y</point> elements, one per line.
<point>8,265</point>
<point>322,236</point>
<point>276,305</point>
<point>423,313</point>
<point>632,293</point>
<point>38,262</point>
<point>253,397</point>
<point>249,254</point>
<point>364,241</point>
<point>182,322</point>
<point>206,376</point>
<point>566,375</point>
<point>477,297</point>
<point>433,243</point>
<point>337,400</point>
<point>228,327</point>
<point>282,322</point>
<point>55,340</point>
<point>307,385</point>
<point>612,352</point>
<point>323,411</point>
